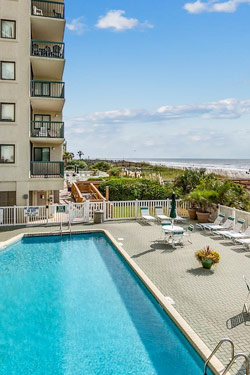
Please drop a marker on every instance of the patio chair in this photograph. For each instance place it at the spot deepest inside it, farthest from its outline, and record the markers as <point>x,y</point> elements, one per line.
<point>227,225</point>
<point>145,214</point>
<point>236,230</point>
<point>43,132</point>
<point>189,232</point>
<point>37,11</point>
<point>35,49</point>
<point>217,221</point>
<point>176,238</point>
<point>163,232</point>
<point>56,51</point>
<point>159,214</point>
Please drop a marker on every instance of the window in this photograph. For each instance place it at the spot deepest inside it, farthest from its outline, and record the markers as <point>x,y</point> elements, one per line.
<point>7,154</point>
<point>42,118</point>
<point>41,154</point>
<point>7,112</point>
<point>7,70</point>
<point>8,29</point>
<point>7,198</point>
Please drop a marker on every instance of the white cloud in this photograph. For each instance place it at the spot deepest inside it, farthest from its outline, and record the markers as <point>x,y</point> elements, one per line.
<point>115,20</point>
<point>221,109</point>
<point>76,26</point>
<point>229,6</point>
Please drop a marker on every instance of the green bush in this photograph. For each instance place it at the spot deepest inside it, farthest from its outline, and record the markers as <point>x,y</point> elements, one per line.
<point>130,189</point>
<point>101,166</point>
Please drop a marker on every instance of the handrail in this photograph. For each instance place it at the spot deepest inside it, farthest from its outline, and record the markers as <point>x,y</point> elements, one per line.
<point>233,360</point>
<point>77,193</point>
<point>47,129</point>
<point>94,190</point>
<point>217,348</point>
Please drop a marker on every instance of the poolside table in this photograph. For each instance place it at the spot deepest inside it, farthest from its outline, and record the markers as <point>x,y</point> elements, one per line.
<point>172,228</point>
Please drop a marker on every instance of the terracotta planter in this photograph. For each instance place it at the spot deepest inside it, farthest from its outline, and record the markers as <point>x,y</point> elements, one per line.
<point>203,216</point>
<point>192,213</point>
<point>207,263</point>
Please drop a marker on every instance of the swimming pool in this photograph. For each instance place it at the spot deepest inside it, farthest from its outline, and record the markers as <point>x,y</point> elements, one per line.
<point>71,306</point>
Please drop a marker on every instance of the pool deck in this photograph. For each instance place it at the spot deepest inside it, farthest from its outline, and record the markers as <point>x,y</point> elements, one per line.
<point>206,299</point>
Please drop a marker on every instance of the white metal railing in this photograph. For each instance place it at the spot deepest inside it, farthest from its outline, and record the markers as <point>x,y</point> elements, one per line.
<point>43,215</point>
<point>84,212</point>
<point>237,214</point>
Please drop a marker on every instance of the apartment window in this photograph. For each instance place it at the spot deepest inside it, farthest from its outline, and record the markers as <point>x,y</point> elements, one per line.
<point>42,118</point>
<point>41,154</point>
<point>7,70</point>
<point>7,154</point>
<point>7,198</point>
<point>8,29</point>
<point>7,112</point>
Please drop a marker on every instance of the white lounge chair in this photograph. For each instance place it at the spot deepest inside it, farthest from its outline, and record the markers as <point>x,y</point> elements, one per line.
<point>145,214</point>
<point>217,221</point>
<point>239,236</point>
<point>236,230</point>
<point>225,226</point>
<point>160,215</point>
<point>245,242</point>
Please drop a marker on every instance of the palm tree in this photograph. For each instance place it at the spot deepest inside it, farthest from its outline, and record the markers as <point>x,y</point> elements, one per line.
<point>67,156</point>
<point>80,154</point>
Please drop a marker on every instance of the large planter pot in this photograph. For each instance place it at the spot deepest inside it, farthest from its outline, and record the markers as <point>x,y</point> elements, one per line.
<point>207,263</point>
<point>203,216</point>
<point>192,213</point>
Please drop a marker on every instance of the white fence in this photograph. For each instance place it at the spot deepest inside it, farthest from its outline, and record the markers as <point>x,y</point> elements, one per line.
<point>83,212</point>
<point>237,214</point>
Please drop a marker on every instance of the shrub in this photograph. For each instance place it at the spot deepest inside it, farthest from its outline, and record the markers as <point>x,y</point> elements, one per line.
<point>130,189</point>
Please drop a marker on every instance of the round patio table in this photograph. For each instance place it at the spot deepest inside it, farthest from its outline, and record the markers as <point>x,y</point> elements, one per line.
<point>172,229</point>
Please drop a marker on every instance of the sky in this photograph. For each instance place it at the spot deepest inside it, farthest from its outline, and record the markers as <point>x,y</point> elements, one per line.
<point>158,79</point>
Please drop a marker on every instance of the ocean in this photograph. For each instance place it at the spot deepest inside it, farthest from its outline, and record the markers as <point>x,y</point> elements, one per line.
<point>235,168</point>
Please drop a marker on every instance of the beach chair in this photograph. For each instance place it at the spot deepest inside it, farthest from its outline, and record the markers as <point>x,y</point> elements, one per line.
<point>145,214</point>
<point>217,221</point>
<point>245,242</point>
<point>225,226</point>
<point>239,236</point>
<point>236,230</point>
<point>189,232</point>
<point>159,214</point>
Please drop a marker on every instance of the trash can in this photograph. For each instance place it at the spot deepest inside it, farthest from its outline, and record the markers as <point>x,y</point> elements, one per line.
<point>98,217</point>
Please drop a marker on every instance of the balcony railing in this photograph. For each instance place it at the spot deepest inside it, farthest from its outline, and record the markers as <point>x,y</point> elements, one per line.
<point>52,9</point>
<point>42,48</point>
<point>47,169</point>
<point>47,129</point>
<point>48,89</point>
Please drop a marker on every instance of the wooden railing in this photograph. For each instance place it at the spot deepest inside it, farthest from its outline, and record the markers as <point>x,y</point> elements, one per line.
<point>77,193</point>
<point>96,193</point>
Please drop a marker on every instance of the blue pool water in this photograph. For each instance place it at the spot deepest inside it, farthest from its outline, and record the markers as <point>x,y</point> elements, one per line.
<point>72,306</point>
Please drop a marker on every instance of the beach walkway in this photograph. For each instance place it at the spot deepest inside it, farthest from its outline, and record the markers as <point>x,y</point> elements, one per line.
<point>207,300</point>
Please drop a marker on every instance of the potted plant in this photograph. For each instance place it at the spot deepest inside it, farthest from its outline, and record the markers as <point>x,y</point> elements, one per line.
<point>207,257</point>
<point>203,199</point>
<point>192,210</point>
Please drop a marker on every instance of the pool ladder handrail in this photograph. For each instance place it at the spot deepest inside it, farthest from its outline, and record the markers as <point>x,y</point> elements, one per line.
<point>232,359</point>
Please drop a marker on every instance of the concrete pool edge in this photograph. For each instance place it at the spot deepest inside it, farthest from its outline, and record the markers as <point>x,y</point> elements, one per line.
<point>201,348</point>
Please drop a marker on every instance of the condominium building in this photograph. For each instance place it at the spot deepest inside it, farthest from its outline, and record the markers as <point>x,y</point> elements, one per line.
<point>32,97</point>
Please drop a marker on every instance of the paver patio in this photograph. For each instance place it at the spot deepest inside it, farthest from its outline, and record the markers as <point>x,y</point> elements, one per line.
<point>206,299</point>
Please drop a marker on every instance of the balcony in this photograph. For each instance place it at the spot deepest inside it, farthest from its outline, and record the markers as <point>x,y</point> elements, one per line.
<point>47,19</point>
<point>47,59</point>
<point>44,169</point>
<point>50,132</point>
<point>47,96</point>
